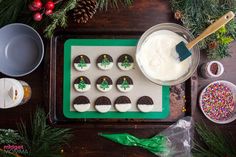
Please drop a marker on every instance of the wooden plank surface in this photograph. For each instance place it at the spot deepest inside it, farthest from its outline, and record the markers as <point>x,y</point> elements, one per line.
<point>86,142</point>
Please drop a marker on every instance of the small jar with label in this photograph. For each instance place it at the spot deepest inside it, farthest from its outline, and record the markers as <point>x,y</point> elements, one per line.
<point>13,93</point>
<point>212,69</point>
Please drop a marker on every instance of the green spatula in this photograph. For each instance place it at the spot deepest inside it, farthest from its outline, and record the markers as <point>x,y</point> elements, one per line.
<point>183,49</point>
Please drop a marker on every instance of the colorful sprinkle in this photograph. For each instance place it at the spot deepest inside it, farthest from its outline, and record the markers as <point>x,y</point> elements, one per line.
<point>217,102</point>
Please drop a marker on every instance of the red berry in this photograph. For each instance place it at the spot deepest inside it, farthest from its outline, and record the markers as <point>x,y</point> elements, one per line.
<point>31,8</point>
<point>48,12</point>
<point>50,5</point>
<point>36,5</point>
<point>38,16</point>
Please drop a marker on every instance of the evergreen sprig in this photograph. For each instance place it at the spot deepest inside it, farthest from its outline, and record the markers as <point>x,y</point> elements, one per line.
<point>10,10</point>
<point>197,15</point>
<point>42,140</point>
<point>9,136</point>
<point>213,143</point>
<point>105,4</point>
<point>7,154</point>
<point>59,18</point>
<point>17,11</point>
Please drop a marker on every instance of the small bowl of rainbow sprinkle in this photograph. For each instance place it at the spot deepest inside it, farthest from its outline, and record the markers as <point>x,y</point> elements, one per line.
<point>218,102</point>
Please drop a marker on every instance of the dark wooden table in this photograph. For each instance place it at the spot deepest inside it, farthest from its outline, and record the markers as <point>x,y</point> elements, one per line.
<point>86,142</point>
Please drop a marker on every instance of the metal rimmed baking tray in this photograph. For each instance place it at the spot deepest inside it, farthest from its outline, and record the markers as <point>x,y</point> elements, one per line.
<point>182,97</point>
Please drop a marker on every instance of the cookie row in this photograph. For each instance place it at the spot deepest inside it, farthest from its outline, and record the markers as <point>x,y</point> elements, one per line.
<point>104,62</point>
<point>104,84</point>
<point>122,104</point>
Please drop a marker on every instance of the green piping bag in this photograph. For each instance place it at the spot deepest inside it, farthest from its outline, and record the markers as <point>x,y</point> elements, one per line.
<point>157,144</point>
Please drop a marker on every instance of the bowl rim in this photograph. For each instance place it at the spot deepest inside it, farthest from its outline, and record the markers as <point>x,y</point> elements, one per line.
<point>143,38</point>
<point>41,43</point>
<point>200,100</point>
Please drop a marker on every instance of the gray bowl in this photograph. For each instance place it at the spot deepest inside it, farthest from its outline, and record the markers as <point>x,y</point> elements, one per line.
<point>21,49</point>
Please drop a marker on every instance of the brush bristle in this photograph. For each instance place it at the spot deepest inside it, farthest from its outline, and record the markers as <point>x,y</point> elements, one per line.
<point>183,51</point>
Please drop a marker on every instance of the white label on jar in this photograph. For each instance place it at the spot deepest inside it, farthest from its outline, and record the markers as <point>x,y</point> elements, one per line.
<point>12,93</point>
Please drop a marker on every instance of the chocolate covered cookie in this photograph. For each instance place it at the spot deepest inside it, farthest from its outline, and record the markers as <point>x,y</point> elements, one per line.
<point>81,104</point>
<point>124,84</point>
<point>82,84</point>
<point>104,84</point>
<point>82,63</point>
<point>145,104</point>
<point>105,62</point>
<point>122,104</point>
<point>103,104</point>
<point>125,62</point>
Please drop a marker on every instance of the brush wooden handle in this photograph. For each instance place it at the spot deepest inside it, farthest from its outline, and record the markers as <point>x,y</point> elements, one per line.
<point>212,28</point>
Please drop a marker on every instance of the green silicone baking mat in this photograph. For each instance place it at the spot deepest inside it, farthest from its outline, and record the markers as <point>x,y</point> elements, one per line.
<point>93,48</point>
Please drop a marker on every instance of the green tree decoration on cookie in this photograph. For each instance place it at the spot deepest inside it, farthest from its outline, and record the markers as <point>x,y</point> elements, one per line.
<point>126,62</point>
<point>82,63</point>
<point>125,84</point>
<point>82,84</point>
<point>105,61</point>
<point>104,84</point>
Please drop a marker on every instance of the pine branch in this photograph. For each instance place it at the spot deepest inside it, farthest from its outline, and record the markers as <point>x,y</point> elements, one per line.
<point>59,18</point>
<point>197,15</point>
<point>10,10</point>
<point>5,154</point>
<point>42,140</point>
<point>8,136</point>
<point>105,4</point>
<point>216,143</point>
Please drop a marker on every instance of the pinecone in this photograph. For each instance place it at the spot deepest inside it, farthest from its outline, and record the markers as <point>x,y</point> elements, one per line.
<point>84,10</point>
<point>178,15</point>
<point>213,45</point>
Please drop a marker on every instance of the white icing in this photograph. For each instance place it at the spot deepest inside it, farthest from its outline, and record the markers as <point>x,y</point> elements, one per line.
<point>125,90</point>
<point>107,66</point>
<point>81,107</point>
<point>159,58</point>
<point>104,90</point>
<point>83,68</point>
<point>127,68</point>
<point>122,107</point>
<point>145,108</point>
<point>103,108</point>
<point>87,87</point>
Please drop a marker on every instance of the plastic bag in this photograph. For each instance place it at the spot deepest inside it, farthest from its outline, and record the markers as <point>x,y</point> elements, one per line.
<point>179,137</point>
<point>175,141</point>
